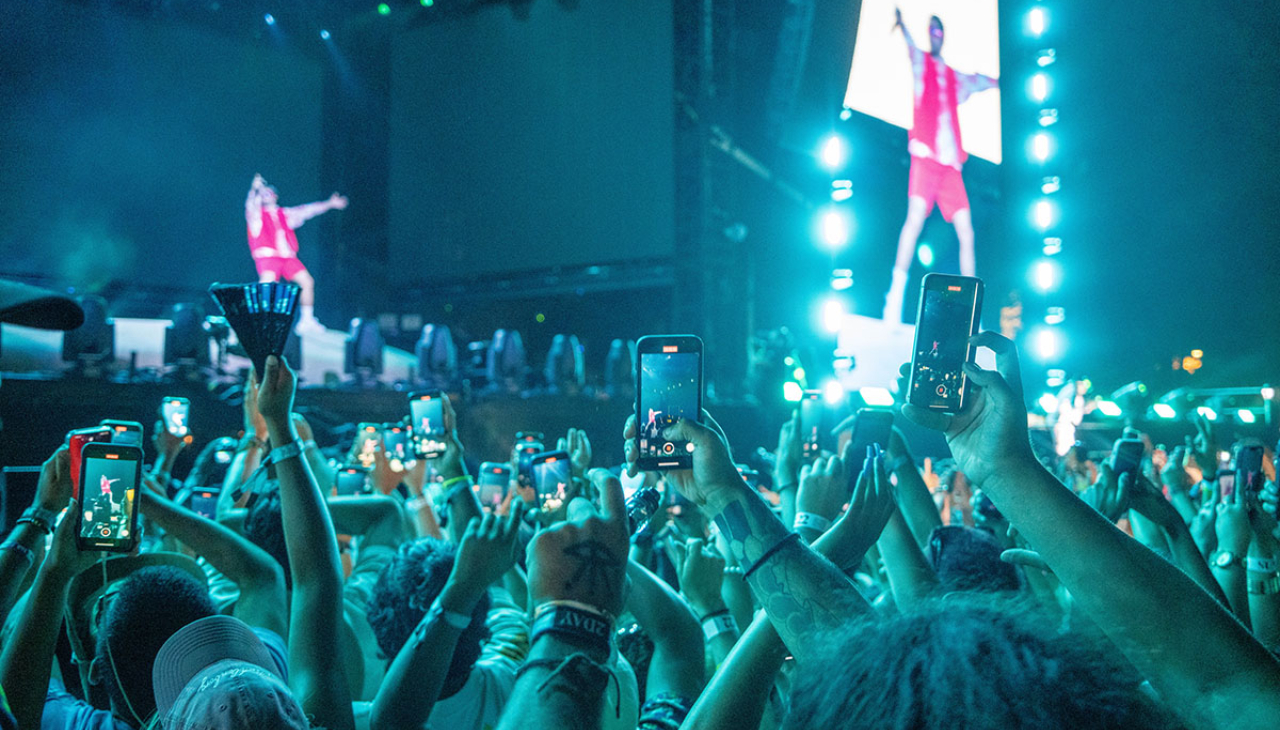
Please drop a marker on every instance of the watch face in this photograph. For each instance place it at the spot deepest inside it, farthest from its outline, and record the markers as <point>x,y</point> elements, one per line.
<point>1224,559</point>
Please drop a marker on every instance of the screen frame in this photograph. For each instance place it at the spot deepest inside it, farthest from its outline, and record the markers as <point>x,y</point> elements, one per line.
<point>657,345</point>
<point>122,452</point>
<point>417,439</point>
<point>940,282</point>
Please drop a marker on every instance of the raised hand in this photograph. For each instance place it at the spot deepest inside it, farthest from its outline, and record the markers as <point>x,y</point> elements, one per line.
<point>1203,530</point>
<point>872,504</point>
<point>1147,499</point>
<point>337,201</point>
<point>253,421</point>
<point>1202,449</point>
<point>1231,524</point>
<point>990,434</point>
<point>487,551</point>
<point>66,560</point>
<point>451,464</point>
<point>584,560</point>
<point>54,488</point>
<point>1109,494</point>
<point>790,453</point>
<point>578,446</point>
<point>714,479</point>
<point>824,486</point>
<point>701,573</point>
<point>275,393</point>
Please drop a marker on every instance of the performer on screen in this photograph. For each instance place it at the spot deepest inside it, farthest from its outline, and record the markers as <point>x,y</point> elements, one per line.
<point>274,245</point>
<point>936,156</point>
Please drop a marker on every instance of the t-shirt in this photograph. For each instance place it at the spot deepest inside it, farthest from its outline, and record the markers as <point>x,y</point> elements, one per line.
<point>947,152</point>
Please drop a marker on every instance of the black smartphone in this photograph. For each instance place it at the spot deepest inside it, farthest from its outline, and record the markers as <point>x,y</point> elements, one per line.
<point>668,388</point>
<point>110,475</point>
<point>551,478</point>
<point>525,451</point>
<point>351,480</point>
<point>366,443</point>
<point>395,444</point>
<point>127,433</point>
<point>173,413</point>
<point>947,317</point>
<point>1126,456</point>
<point>426,423</point>
<point>810,423</point>
<point>1226,484</point>
<point>870,426</point>
<point>1249,465</point>
<point>492,484</point>
<point>76,441</point>
<point>530,436</point>
<point>203,501</point>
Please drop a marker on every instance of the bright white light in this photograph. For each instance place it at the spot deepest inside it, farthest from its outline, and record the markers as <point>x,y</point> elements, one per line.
<point>1108,408</point>
<point>1055,315</point>
<point>1208,413</point>
<point>841,194</point>
<point>1043,214</point>
<point>846,114</point>
<point>1048,344</point>
<point>1045,275</point>
<point>833,314</point>
<point>792,391</point>
<point>1055,378</point>
<point>1268,392</point>
<point>833,392</point>
<point>1052,246</point>
<point>841,283</point>
<point>925,254</point>
<point>1040,146</point>
<point>1164,410</point>
<point>1048,403</point>
<point>1050,185</point>
<point>875,396</point>
<point>269,19</point>
<point>1246,416</point>
<point>833,152</point>
<point>324,35</point>
<point>1046,57</point>
<point>1037,20</point>
<point>1040,87</point>
<point>1048,117</point>
<point>835,228</point>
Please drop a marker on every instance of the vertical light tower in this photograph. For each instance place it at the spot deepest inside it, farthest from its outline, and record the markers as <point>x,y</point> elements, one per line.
<point>1047,340</point>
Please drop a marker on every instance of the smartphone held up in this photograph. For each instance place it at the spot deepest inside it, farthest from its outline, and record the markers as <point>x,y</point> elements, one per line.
<point>110,477</point>
<point>668,388</point>
<point>948,315</point>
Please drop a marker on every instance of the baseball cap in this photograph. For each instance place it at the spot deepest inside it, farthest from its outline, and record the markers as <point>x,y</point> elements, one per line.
<point>31,306</point>
<point>216,674</point>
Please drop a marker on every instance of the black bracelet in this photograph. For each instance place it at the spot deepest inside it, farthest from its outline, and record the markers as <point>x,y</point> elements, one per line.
<point>713,614</point>
<point>574,625</point>
<point>791,536</point>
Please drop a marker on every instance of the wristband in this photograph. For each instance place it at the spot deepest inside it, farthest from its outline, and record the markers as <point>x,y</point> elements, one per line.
<point>417,503</point>
<point>586,627</point>
<point>1260,565</point>
<point>42,519</point>
<point>1265,586</point>
<point>451,487</point>
<point>791,537</point>
<point>251,440</point>
<point>459,621</point>
<point>811,521</point>
<point>719,623</point>
<point>22,551</point>
<point>733,570</point>
<point>713,614</point>
<point>288,451</point>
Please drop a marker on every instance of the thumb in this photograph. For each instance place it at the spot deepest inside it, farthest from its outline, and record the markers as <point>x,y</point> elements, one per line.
<point>991,381</point>
<point>691,431</point>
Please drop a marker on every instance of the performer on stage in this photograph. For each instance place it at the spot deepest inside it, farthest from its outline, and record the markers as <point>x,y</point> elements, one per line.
<point>1073,404</point>
<point>936,156</point>
<point>274,245</point>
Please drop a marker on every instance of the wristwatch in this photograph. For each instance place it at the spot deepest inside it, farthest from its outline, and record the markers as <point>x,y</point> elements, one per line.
<point>1224,559</point>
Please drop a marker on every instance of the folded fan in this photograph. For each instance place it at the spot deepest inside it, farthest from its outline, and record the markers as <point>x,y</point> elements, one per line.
<point>261,314</point>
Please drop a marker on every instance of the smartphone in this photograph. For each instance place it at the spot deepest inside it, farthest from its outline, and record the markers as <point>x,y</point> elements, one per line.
<point>127,433</point>
<point>1249,466</point>
<point>202,501</point>
<point>870,426</point>
<point>367,443</point>
<point>810,423</point>
<point>173,412</point>
<point>1126,456</point>
<point>551,477</point>
<point>749,475</point>
<point>525,451</point>
<point>492,484</point>
<point>76,441</point>
<point>947,317</point>
<point>426,423</point>
<point>530,436</point>
<point>350,480</point>
<point>395,444</point>
<point>110,475</point>
<point>1226,484</point>
<point>668,388</point>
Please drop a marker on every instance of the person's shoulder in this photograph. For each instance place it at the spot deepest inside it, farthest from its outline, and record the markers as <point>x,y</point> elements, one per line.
<point>64,711</point>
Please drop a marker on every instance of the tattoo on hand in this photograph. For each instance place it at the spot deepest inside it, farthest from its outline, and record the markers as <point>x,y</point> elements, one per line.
<point>596,565</point>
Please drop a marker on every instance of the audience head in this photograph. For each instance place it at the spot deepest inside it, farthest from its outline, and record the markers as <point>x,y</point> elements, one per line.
<point>264,527</point>
<point>968,559</point>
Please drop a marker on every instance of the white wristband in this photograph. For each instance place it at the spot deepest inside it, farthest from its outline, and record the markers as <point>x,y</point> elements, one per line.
<point>459,621</point>
<point>716,625</point>
<point>1260,565</point>
<point>812,521</point>
<point>288,451</point>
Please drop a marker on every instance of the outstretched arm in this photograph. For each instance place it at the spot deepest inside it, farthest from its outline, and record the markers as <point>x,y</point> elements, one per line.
<point>299,214</point>
<point>906,34</point>
<point>678,652</point>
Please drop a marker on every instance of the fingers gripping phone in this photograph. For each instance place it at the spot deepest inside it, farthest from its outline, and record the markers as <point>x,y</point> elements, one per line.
<point>551,475</point>
<point>946,319</point>
<point>668,388</point>
<point>492,484</point>
<point>110,475</point>
<point>810,423</point>
<point>76,441</point>
<point>128,433</point>
<point>426,423</point>
<point>173,412</point>
<point>1126,456</point>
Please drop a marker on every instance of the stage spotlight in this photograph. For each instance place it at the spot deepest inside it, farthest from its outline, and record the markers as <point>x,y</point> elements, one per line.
<point>1055,315</point>
<point>1268,392</point>
<point>362,351</point>
<point>384,9</point>
<point>1208,413</point>
<point>833,152</point>
<point>1048,403</point>
<point>1164,410</point>
<point>1109,409</point>
<point>1055,377</point>
<point>792,392</point>
<point>1048,117</point>
<point>437,356</point>
<point>841,279</point>
<point>1046,57</point>
<point>620,369</point>
<point>846,114</point>
<point>833,392</point>
<point>1048,344</point>
<point>1040,146</point>
<point>1246,416</point>
<point>324,35</point>
<point>1052,246</point>
<point>833,313</point>
<point>875,396</point>
<point>925,254</point>
<point>1050,185</point>
<point>1040,87</point>
<point>427,3</point>
<point>1037,21</point>
<point>91,346</point>
<point>834,225</point>
<point>841,190</point>
<point>269,19</point>
<point>1045,275</point>
<point>799,374</point>
<point>1043,214</point>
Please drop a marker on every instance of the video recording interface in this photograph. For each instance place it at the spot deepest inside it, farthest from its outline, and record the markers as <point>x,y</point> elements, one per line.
<point>174,411</point>
<point>669,383</point>
<point>109,491</point>
<point>942,346</point>
<point>551,477</point>
<point>427,417</point>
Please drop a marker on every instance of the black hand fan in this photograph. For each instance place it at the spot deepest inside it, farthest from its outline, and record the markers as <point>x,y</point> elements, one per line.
<point>261,315</point>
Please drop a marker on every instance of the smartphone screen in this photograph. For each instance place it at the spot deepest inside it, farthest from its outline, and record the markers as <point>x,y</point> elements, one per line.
<point>426,419</point>
<point>870,426</point>
<point>1226,484</point>
<point>202,501</point>
<point>75,442</point>
<point>1126,456</point>
<point>109,478</point>
<point>173,411</point>
<point>127,433</point>
<point>669,388</point>
<point>395,444</point>
<point>947,318</point>
<point>491,486</point>
<point>366,444</point>
<point>1249,466</point>
<point>351,480</point>
<point>810,423</point>
<point>525,451</point>
<point>551,475</point>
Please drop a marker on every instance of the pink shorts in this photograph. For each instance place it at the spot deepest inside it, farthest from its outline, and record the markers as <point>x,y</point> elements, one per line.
<point>933,181</point>
<point>279,268</point>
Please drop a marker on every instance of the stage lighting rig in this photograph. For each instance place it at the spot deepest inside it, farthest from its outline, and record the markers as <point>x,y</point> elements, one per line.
<point>564,371</point>
<point>506,364</point>
<point>437,357</point>
<point>362,355</point>
<point>90,348</point>
<point>620,369</point>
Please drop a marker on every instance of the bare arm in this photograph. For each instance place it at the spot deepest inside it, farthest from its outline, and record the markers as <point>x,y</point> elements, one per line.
<point>738,693</point>
<point>296,215</point>
<point>910,576</point>
<point>678,657</point>
<point>914,499</point>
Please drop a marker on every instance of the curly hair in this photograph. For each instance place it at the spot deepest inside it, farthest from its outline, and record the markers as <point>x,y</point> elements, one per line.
<point>406,588</point>
<point>151,605</point>
<point>264,527</point>
<point>973,662</point>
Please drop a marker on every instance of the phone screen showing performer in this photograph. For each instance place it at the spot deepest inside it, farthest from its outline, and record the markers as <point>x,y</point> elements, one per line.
<point>669,388</point>
<point>109,478</point>
<point>395,445</point>
<point>947,318</point>
<point>551,475</point>
<point>173,411</point>
<point>426,419</point>
<point>491,486</point>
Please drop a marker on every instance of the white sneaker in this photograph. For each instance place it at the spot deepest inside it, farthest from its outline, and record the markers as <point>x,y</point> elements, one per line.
<point>309,326</point>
